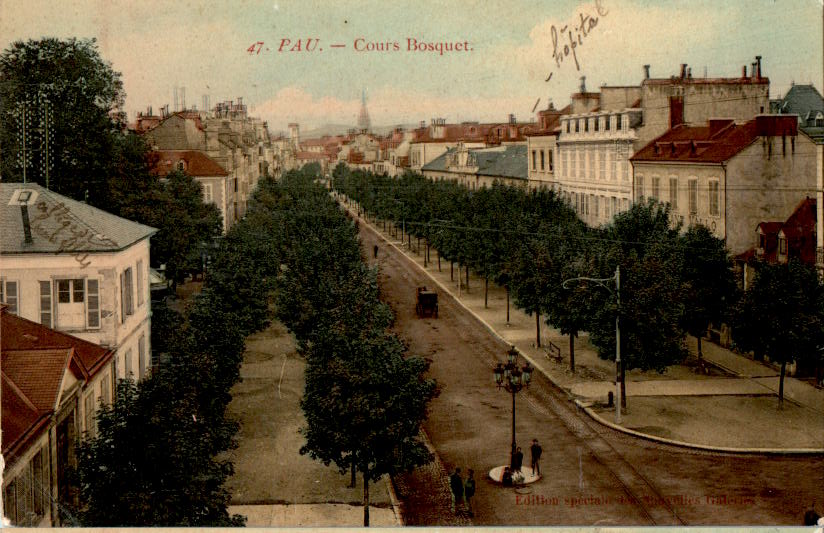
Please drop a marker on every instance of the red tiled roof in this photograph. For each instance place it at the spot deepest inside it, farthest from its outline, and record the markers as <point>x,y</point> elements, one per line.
<point>310,155</point>
<point>22,334</point>
<point>20,417</point>
<point>195,163</point>
<point>34,362</point>
<point>768,228</point>
<point>716,142</point>
<point>803,219</point>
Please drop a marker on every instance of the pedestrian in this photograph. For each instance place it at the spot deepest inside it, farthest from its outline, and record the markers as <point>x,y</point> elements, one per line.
<point>375,251</point>
<point>456,484</point>
<point>506,478</point>
<point>535,451</point>
<point>517,459</point>
<point>469,491</point>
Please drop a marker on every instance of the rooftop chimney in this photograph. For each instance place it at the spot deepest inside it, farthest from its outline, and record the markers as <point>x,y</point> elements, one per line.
<point>744,71</point>
<point>683,70</point>
<point>24,213</point>
<point>583,84</point>
<point>646,72</point>
<point>758,66</point>
<point>754,69</point>
<point>512,118</point>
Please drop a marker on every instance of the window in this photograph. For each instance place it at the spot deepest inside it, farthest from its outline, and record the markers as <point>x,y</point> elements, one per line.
<point>207,193</point>
<point>673,192</point>
<point>549,156</point>
<point>141,355</point>
<point>597,123</point>
<point>105,395</point>
<point>9,295</point>
<point>45,303</point>
<point>542,160</point>
<point>567,126</point>
<point>602,165</point>
<point>591,164</point>
<point>656,187</point>
<point>88,412</point>
<point>714,198</point>
<point>533,160</point>
<point>140,295</point>
<point>614,210</point>
<point>126,289</point>
<point>575,157</point>
<point>639,188</point>
<point>693,187</point>
<point>181,166</point>
<point>782,245</point>
<point>596,207</point>
<point>577,126</point>
<point>127,365</point>
<point>607,120</point>
<point>618,124</point>
<point>586,124</point>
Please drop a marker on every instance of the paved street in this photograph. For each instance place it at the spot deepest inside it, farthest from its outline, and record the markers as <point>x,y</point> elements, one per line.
<point>615,479</point>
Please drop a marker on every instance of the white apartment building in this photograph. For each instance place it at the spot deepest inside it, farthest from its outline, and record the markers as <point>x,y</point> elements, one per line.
<point>79,270</point>
<point>592,168</point>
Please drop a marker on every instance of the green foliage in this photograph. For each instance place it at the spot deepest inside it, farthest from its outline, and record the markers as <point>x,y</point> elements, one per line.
<point>152,462</point>
<point>782,314</point>
<point>86,95</point>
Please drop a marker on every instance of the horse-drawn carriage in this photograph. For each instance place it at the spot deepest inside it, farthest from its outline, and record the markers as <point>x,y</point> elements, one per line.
<point>426,302</point>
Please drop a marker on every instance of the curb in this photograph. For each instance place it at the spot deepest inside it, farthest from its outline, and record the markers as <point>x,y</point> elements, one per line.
<point>396,504</point>
<point>759,451</point>
<point>588,410</point>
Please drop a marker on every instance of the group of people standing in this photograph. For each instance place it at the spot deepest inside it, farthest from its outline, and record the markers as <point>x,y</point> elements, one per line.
<point>463,490</point>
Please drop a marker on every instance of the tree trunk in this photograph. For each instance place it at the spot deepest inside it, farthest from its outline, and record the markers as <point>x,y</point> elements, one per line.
<point>572,352</point>
<point>537,329</point>
<point>781,385</point>
<point>353,479</point>
<point>623,384</point>
<point>486,292</point>
<point>365,498</point>
<point>701,367</point>
<point>439,260</point>
<point>467,278</point>
<point>452,271</point>
<point>507,305</point>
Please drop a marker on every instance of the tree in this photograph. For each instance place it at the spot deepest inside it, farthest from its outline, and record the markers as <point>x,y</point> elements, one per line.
<point>85,97</point>
<point>644,244</point>
<point>708,283</point>
<point>150,465</point>
<point>175,206</point>
<point>782,314</point>
<point>364,403</point>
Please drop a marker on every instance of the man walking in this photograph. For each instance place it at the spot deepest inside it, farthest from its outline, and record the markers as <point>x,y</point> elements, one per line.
<point>517,459</point>
<point>469,491</point>
<point>457,486</point>
<point>535,451</point>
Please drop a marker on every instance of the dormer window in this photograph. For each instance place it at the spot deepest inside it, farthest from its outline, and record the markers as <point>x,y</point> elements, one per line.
<point>181,166</point>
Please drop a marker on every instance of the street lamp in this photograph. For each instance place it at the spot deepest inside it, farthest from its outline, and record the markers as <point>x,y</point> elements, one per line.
<point>513,379</point>
<point>602,282</point>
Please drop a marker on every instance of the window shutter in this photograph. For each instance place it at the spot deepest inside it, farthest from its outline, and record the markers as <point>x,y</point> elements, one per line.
<point>92,303</point>
<point>122,297</point>
<point>46,303</point>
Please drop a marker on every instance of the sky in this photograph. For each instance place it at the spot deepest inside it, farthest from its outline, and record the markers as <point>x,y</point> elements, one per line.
<point>204,46</point>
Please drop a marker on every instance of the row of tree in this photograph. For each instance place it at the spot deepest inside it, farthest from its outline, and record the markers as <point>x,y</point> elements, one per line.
<point>364,399</point>
<point>673,281</point>
<point>158,456</point>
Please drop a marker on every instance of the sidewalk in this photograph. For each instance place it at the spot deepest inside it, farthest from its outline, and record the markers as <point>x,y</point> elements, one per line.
<point>735,406</point>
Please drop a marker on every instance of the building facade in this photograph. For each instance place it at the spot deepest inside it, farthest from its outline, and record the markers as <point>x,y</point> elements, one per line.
<point>79,270</point>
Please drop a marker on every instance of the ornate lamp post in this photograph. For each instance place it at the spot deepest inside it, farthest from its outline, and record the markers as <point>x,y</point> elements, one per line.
<point>513,379</point>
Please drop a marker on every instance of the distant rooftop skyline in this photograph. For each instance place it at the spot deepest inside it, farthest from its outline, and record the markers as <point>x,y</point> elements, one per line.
<point>204,47</point>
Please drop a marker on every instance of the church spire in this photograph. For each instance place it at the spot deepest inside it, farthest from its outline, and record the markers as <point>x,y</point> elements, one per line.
<point>364,123</point>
